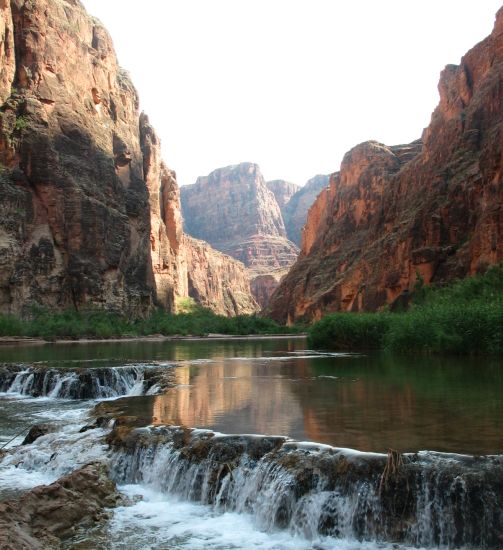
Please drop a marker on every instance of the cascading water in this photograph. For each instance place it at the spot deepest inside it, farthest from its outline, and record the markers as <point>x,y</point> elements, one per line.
<point>91,383</point>
<point>425,499</point>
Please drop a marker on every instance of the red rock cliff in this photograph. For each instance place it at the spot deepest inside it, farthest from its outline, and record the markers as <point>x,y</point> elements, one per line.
<point>295,211</point>
<point>89,213</point>
<point>433,208</point>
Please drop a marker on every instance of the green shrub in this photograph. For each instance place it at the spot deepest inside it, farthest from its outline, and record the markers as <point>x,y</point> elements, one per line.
<point>21,123</point>
<point>346,331</point>
<point>11,326</point>
<point>465,317</point>
<point>95,323</point>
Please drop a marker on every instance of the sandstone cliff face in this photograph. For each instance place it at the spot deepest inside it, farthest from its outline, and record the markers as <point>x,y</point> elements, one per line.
<point>230,205</point>
<point>283,191</point>
<point>433,208</point>
<point>234,211</point>
<point>217,281</point>
<point>89,214</point>
<point>295,211</point>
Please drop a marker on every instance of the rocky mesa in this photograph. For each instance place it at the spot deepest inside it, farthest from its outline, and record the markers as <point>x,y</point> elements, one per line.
<point>90,215</point>
<point>432,209</point>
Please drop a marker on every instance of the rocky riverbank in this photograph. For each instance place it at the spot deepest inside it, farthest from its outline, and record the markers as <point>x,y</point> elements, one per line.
<point>44,516</point>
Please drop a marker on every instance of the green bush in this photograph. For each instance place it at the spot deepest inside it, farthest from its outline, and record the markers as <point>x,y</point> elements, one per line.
<point>345,331</point>
<point>21,123</point>
<point>465,317</point>
<point>95,323</point>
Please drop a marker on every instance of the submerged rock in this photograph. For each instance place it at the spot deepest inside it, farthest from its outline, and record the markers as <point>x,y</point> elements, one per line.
<point>48,513</point>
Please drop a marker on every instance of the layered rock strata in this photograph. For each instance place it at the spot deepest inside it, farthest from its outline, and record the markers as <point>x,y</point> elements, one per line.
<point>431,209</point>
<point>235,211</point>
<point>90,215</point>
<point>217,281</point>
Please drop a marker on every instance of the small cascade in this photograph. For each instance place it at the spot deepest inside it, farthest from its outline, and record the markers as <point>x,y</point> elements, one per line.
<point>50,456</point>
<point>90,383</point>
<point>424,499</point>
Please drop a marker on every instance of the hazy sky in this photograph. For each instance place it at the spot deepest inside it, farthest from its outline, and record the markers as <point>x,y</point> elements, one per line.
<point>288,84</point>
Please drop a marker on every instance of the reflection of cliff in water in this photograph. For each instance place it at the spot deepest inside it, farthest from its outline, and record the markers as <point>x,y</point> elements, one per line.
<point>230,396</point>
<point>404,403</point>
<point>368,403</point>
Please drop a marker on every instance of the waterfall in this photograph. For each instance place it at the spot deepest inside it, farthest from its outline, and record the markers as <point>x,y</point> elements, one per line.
<point>425,499</point>
<point>89,383</point>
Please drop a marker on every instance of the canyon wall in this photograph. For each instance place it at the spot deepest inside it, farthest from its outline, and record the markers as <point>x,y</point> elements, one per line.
<point>432,209</point>
<point>90,215</point>
<point>296,209</point>
<point>235,211</point>
<point>283,191</point>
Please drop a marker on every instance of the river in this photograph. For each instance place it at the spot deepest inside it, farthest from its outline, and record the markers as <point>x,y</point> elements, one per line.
<point>368,402</point>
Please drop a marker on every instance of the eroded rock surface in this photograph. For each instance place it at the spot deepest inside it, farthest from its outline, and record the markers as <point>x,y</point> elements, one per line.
<point>44,516</point>
<point>218,281</point>
<point>283,191</point>
<point>432,208</point>
<point>425,499</point>
<point>89,215</point>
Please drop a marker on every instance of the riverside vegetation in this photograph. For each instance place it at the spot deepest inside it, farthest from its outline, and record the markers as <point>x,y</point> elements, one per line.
<point>96,323</point>
<point>465,317</point>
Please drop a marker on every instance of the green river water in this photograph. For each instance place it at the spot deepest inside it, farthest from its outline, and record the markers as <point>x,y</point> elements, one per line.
<point>277,386</point>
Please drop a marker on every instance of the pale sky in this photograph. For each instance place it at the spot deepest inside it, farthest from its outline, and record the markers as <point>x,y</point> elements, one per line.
<point>288,84</point>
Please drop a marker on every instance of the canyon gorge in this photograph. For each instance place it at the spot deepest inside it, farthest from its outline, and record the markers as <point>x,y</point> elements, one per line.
<point>241,214</point>
<point>427,212</point>
<point>90,214</point>
<point>167,434</point>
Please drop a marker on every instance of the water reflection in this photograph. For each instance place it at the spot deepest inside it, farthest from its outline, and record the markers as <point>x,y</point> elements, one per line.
<point>231,396</point>
<point>365,403</point>
<point>269,386</point>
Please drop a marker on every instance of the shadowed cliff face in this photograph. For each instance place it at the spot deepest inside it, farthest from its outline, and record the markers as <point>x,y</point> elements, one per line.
<point>283,191</point>
<point>89,213</point>
<point>295,210</point>
<point>433,207</point>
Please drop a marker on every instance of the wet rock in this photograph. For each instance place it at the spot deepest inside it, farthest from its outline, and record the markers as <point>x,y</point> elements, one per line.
<point>47,514</point>
<point>84,383</point>
<point>37,431</point>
